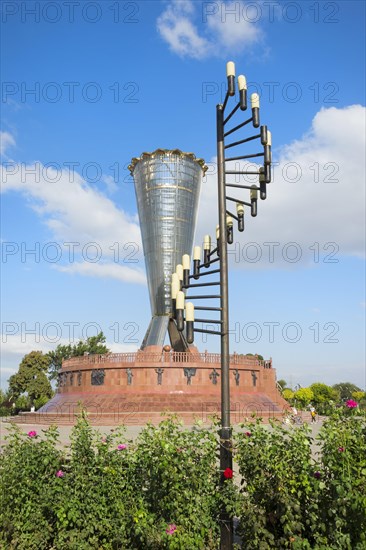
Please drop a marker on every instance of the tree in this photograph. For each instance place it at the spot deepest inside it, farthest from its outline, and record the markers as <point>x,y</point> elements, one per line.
<point>304,396</point>
<point>55,359</point>
<point>92,345</point>
<point>282,383</point>
<point>345,390</point>
<point>323,393</point>
<point>360,397</point>
<point>4,404</point>
<point>31,378</point>
<point>288,394</point>
<point>260,357</point>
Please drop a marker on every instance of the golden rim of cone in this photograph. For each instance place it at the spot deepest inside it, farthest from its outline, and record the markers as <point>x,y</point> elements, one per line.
<point>167,152</point>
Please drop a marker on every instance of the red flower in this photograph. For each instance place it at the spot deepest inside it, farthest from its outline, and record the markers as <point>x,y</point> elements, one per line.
<point>248,434</point>
<point>228,473</point>
<point>351,404</point>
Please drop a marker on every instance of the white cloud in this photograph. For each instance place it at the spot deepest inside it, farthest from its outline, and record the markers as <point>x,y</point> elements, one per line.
<point>226,27</point>
<point>325,205</point>
<point>21,344</point>
<point>110,183</point>
<point>231,29</point>
<point>177,29</point>
<point>79,214</point>
<point>106,270</point>
<point>6,141</point>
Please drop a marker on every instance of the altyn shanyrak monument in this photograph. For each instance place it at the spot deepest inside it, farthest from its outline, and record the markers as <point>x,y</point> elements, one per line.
<point>133,388</point>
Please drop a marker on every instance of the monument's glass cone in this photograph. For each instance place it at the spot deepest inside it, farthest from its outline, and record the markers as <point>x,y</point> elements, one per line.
<point>167,185</point>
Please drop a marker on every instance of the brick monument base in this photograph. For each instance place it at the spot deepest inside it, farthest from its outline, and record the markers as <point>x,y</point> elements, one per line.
<point>133,388</point>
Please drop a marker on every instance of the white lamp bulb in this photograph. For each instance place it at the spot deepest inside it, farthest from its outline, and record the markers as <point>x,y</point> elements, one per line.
<point>197,253</point>
<point>189,311</point>
<point>186,261</point>
<point>179,271</point>
<point>242,82</point>
<point>207,242</point>
<point>239,208</point>
<point>254,98</point>
<point>230,68</point>
<point>180,300</point>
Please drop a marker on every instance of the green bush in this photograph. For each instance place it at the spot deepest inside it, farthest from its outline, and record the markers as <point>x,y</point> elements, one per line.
<point>342,502</point>
<point>280,491</point>
<point>293,500</point>
<point>179,477</point>
<point>163,491</point>
<point>108,493</point>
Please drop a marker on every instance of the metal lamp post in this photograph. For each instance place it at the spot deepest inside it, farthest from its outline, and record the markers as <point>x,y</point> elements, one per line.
<point>226,457</point>
<point>225,237</point>
<point>183,312</point>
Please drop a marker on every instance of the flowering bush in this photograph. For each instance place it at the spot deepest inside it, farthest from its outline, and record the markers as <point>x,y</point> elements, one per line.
<point>163,490</point>
<point>105,493</point>
<point>342,499</point>
<point>295,498</point>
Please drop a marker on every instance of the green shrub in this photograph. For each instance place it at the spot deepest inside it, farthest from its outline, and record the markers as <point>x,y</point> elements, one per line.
<point>29,489</point>
<point>179,478</point>
<point>108,493</point>
<point>163,491</point>
<point>291,499</point>
<point>342,498</point>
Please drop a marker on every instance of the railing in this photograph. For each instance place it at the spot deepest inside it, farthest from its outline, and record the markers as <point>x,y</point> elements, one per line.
<point>164,357</point>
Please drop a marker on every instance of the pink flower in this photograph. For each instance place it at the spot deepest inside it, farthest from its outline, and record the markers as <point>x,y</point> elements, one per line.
<point>351,404</point>
<point>171,529</point>
<point>228,473</point>
<point>341,449</point>
<point>121,447</point>
<point>60,473</point>
<point>32,433</point>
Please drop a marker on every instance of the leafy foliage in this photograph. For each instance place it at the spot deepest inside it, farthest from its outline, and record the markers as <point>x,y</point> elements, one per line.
<point>282,383</point>
<point>293,500</point>
<point>92,345</point>
<point>107,493</point>
<point>162,491</point>
<point>5,406</point>
<point>345,390</point>
<point>304,396</point>
<point>288,394</point>
<point>31,378</point>
<point>342,502</point>
<point>324,397</point>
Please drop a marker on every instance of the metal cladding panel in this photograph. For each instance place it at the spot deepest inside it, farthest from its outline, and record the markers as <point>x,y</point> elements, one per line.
<point>167,185</point>
<point>157,330</point>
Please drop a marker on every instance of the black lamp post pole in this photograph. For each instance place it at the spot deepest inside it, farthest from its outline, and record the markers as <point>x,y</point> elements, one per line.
<point>219,254</point>
<point>226,461</point>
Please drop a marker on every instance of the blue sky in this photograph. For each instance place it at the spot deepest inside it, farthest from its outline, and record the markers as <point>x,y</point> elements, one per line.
<point>86,86</point>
